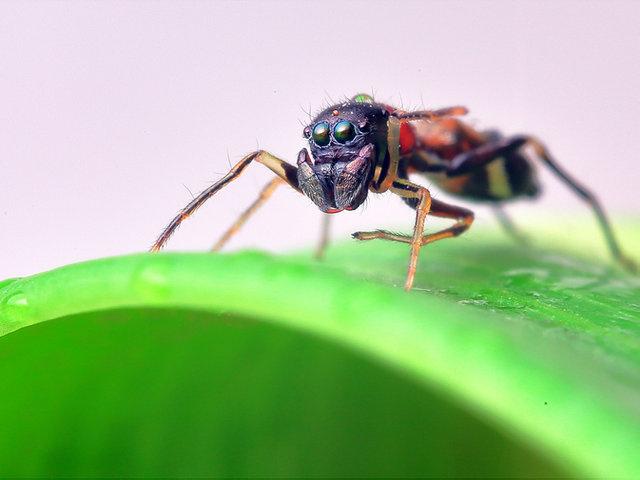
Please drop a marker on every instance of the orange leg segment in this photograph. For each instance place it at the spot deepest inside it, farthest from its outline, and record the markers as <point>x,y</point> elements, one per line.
<point>464,219</point>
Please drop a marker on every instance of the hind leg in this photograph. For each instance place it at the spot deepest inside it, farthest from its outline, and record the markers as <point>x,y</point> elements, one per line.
<point>614,247</point>
<point>508,225</point>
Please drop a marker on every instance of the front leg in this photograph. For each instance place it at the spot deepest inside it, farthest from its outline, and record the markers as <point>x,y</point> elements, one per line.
<point>281,168</point>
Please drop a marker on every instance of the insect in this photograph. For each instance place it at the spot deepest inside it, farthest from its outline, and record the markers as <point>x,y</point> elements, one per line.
<point>361,146</point>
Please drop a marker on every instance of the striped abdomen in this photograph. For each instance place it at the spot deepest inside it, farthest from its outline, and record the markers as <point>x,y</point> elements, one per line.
<point>505,178</point>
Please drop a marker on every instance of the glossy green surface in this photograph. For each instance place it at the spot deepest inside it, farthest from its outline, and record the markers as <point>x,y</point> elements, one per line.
<point>321,134</point>
<point>504,360</point>
<point>363,98</point>
<point>344,131</point>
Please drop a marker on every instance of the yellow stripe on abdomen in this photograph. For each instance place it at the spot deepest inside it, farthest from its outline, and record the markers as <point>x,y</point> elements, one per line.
<point>498,179</point>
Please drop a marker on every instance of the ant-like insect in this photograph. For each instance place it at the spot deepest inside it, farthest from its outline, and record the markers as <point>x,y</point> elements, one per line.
<point>363,146</point>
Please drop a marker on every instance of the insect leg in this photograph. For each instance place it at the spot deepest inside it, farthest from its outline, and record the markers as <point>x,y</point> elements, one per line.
<point>587,196</point>
<point>264,195</point>
<point>464,219</point>
<point>324,237</point>
<point>432,114</point>
<point>483,155</point>
<point>281,168</point>
<point>406,189</point>
<point>508,225</point>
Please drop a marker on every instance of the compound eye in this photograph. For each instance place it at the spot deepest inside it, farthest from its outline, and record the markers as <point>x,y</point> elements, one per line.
<point>344,131</point>
<point>321,134</point>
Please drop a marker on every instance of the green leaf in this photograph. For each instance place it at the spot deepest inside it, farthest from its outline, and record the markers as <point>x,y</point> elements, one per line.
<point>505,360</point>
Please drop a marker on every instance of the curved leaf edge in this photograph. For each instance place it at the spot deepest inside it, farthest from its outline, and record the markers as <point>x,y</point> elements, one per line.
<point>451,348</point>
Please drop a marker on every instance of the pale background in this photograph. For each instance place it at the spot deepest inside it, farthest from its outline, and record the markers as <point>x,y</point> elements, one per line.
<point>110,110</point>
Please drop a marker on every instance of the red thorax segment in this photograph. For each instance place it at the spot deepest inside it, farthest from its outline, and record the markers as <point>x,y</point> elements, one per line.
<point>407,136</point>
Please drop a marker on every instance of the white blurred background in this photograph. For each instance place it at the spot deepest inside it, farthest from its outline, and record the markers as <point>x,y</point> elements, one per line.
<point>110,112</point>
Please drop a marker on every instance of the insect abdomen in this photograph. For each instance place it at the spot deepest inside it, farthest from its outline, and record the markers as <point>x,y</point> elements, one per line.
<point>504,178</point>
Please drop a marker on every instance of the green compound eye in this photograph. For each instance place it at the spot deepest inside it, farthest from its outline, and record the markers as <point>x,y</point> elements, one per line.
<point>321,134</point>
<point>344,131</point>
